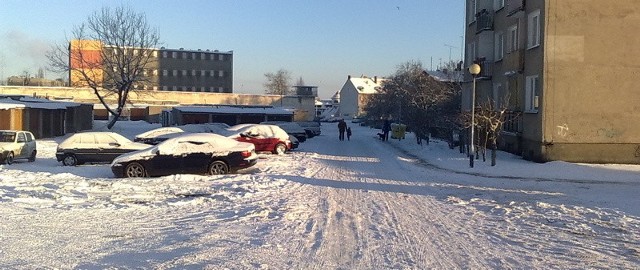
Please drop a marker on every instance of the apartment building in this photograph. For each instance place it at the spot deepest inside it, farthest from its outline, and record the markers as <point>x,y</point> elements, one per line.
<point>167,69</point>
<point>567,68</point>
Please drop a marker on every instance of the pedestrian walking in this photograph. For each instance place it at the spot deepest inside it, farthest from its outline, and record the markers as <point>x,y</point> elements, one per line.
<point>342,127</point>
<point>386,127</point>
<point>348,133</point>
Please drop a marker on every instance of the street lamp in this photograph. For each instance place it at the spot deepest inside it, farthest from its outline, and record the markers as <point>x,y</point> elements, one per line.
<point>474,70</point>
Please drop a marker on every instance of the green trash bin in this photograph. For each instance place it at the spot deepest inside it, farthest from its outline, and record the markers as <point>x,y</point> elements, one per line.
<point>398,131</point>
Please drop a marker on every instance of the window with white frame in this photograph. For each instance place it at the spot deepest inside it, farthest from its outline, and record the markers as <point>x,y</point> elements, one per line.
<point>499,45</point>
<point>164,54</point>
<point>472,10</point>
<point>498,4</point>
<point>184,55</point>
<point>212,73</point>
<point>513,38</point>
<point>193,56</point>
<point>212,57</point>
<point>202,73</point>
<point>220,57</point>
<point>165,88</point>
<point>497,90</point>
<point>532,94</point>
<point>193,72</point>
<point>211,89</point>
<point>174,54</point>
<point>184,72</point>
<point>174,88</point>
<point>201,56</point>
<point>220,89</point>
<point>220,73</point>
<point>533,29</point>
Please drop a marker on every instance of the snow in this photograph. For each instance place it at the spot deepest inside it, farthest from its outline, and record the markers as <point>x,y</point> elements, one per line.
<point>358,204</point>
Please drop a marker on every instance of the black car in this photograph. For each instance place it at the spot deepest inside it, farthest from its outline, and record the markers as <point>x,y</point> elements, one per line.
<point>191,153</point>
<point>94,147</point>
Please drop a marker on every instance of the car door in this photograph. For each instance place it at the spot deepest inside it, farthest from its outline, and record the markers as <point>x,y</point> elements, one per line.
<point>194,162</point>
<point>21,149</point>
<point>30,145</point>
<point>85,148</point>
<point>165,162</point>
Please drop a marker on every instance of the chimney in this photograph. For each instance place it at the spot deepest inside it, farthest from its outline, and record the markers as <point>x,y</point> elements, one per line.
<point>348,77</point>
<point>375,79</point>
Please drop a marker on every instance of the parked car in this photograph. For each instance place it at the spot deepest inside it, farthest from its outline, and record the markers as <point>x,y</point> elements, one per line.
<point>190,153</point>
<point>291,128</point>
<point>17,144</point>
<point>94,147</point>
<point>158,135</point>
<point>311,127</point>
<point>269,138</point>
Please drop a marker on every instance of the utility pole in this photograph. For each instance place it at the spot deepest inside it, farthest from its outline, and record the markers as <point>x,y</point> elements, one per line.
<point>450,47</point>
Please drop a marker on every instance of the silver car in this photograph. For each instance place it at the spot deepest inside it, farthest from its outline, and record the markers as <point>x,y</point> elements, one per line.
<point>17,144</point>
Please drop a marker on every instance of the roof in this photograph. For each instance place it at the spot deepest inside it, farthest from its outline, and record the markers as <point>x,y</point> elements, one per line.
<point>366,85</point>
<point>446,76</point>
<point>232,110</point>
<point>7,103</point>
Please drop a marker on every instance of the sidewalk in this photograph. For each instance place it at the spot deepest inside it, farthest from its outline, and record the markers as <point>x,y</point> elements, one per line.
<point>438,154</point>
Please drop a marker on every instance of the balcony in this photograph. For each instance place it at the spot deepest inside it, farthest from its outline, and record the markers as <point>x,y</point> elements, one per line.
<point>484,21</point>
<point>514,6</point>
<point>486,68</point>
<point>512,122</point>
<point>514,61</point>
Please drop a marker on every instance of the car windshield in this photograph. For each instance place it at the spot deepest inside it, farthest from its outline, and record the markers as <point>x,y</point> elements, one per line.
<point>7,136</point>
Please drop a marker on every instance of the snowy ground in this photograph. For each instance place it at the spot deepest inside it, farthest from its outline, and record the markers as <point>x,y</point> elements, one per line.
<point>359,204</point>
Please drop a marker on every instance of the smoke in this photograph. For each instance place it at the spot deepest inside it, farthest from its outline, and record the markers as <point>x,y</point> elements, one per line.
<point>21,52</point>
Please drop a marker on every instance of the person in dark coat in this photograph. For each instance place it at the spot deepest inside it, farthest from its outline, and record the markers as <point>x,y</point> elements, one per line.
<point>386,127</point>
<point>348,133</point>
<point>342,126</point>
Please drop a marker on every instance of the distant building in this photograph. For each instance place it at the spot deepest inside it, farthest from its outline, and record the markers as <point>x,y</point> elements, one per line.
<point>356,93</point>
<point>168,69</point>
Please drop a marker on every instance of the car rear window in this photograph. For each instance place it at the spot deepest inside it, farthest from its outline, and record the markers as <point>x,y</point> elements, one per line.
<point>7,136</point>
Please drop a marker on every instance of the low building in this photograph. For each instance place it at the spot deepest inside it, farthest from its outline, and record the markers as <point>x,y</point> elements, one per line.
<point>230,115</point>
<point>356,93</point>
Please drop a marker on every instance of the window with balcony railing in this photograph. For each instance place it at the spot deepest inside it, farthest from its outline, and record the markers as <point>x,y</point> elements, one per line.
<point>484,21</point>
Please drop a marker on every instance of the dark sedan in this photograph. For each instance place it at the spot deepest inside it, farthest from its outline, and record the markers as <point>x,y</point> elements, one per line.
<point>191,153</point>
<point>94,147</point>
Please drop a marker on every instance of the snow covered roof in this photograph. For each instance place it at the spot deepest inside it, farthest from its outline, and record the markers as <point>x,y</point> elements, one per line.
<point>8,103</point>
<point>366,85</point>
<point>232,110</point>
<point>448,76</point>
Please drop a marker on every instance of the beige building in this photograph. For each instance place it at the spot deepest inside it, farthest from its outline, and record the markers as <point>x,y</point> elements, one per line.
<point>569,70</point>
<point>356,93</point>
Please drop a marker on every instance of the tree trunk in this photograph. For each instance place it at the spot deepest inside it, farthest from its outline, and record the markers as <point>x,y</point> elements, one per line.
<point>115,118</point>
<point>493,153</point>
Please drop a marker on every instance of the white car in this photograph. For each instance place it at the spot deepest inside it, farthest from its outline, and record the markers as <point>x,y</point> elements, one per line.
<point>17,144</point>
<point>159,135</point>
<point>95,147</point>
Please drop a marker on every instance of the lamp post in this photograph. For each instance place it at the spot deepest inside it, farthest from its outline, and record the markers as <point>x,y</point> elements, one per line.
<point>474,70</point>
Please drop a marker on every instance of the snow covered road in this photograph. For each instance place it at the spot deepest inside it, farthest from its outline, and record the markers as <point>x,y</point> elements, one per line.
<point>359,204</point>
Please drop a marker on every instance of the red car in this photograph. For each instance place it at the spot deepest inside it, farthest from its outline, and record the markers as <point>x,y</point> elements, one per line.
<point>266,138</point>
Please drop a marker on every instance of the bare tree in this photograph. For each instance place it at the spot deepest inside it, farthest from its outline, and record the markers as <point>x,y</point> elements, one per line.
<point>490,119</point>
<point>108,53</point>
<point>278,83</point>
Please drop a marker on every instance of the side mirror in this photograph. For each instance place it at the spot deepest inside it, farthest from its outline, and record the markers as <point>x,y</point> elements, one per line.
<point>156,152</point>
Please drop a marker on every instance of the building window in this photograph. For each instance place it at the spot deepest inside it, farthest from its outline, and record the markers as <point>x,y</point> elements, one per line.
<point>472,10</point>
<point>174,88</point>
<point>202,56</point>
<point>220,57</point>
<point>175,73</point>
<point>220,73</point>
<point>533,29</point>
<point>184,72</point>
<point>497,90</point>
<point>164,54</point>
<point>220,90</point>
<point>193,56</point>
<point>513,38</point>
<point>211,89</point>
<point>499,45</point>
<point>184,55</point>
<point>193,72</point>
<point>174,54</point>
<point>212,73</point>
<point>212,57</point>
<point>532,94</point>
<point>165,88</point>
<point>165,72</point>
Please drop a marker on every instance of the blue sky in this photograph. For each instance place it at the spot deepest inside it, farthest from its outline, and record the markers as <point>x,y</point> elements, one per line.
<point>320,41</point>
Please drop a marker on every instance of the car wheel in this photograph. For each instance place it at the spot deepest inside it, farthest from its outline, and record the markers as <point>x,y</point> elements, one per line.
<point>218,167</point>
<point>9,159</point>
<point>280,149</point>
<point>32,158</point>
<point>135,170</point>
<point>70,160</point>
